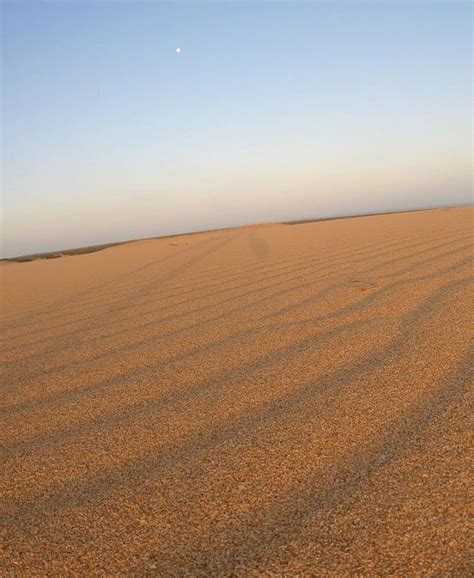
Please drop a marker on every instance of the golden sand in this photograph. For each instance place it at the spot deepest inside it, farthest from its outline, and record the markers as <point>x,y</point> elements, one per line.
<point>268,400</point>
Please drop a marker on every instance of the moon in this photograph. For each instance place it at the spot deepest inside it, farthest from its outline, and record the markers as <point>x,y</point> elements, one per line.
<point>178,50</point>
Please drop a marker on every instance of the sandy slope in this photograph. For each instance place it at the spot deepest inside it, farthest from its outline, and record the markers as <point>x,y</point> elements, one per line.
<point>263,400</point>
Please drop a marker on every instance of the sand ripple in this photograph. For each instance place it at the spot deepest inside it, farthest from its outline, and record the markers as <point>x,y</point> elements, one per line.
<point>268,400</point>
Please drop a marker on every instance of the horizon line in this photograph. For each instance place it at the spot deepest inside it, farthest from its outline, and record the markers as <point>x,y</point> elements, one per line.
<point>84,250</point>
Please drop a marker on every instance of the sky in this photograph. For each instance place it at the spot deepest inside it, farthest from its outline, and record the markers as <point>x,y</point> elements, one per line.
<point>271,111</point>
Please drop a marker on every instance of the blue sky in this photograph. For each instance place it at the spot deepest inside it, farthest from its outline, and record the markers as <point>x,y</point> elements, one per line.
<point>272,111</point>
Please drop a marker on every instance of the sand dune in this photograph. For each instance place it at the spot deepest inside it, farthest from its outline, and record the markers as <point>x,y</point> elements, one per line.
<point>267,400</point>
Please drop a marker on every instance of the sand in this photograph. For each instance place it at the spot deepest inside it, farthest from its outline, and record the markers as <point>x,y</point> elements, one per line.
<point>268,400</point>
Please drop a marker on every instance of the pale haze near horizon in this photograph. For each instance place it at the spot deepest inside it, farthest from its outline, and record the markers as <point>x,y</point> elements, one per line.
<point>271,111</point>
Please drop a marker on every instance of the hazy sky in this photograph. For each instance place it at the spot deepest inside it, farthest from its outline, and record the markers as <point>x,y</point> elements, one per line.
<point>272,111</point>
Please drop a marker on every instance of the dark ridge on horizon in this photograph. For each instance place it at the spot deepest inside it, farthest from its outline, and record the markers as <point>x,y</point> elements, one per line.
<point>362,215</point>
<point>94,248</point>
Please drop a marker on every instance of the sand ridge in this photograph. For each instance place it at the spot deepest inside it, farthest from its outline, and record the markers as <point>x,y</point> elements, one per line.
<point>265,400</point>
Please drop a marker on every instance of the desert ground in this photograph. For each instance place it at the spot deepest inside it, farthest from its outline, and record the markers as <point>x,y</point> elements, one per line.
<point>281,399</point>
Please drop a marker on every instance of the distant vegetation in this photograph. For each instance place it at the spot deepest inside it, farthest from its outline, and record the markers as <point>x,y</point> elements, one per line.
<point>57,254</point>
